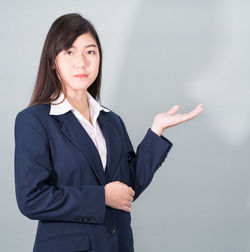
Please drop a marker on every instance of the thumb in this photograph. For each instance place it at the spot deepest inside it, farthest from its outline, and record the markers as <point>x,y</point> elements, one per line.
<point>173,110</point>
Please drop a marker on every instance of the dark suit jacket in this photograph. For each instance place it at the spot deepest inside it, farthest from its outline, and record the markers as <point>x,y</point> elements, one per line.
<point>59,179</point>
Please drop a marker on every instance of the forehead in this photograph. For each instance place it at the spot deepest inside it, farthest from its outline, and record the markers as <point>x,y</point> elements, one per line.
<point>84,40</point>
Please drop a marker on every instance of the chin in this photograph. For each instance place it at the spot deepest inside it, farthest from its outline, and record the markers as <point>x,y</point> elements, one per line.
<point>80,85</point>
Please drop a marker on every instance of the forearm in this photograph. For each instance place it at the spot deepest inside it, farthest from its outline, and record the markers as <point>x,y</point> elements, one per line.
<point>150,154</point>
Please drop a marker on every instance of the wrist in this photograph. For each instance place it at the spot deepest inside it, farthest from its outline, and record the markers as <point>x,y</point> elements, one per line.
<point>157,131</point>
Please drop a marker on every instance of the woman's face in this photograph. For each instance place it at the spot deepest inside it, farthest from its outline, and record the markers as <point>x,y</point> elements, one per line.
<point>81,59</point>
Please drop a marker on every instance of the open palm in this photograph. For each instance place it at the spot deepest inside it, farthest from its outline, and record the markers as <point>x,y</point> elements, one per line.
<point>170,118</point>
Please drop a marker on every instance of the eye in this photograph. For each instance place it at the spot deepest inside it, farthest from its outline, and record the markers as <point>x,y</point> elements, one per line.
<point>68,52</point>
<point>91,52</point>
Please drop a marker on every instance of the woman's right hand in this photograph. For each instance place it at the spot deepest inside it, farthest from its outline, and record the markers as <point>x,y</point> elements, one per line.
<point>118,195</point>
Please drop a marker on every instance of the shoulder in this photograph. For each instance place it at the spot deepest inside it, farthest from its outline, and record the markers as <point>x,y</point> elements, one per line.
<point>31,122</point>
<point>38,112</point>
<point>38,109</point>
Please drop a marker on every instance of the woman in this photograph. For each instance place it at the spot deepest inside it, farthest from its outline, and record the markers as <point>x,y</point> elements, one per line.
<point>75,167</point>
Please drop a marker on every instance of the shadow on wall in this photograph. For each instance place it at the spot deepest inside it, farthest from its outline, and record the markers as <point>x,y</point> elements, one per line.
<point>186,53</point>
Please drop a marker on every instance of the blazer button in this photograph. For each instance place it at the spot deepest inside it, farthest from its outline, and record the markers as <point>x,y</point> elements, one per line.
<point>131,155</point>
<point>129,158</point>
<point>85,219</point>
<point>112,230</point>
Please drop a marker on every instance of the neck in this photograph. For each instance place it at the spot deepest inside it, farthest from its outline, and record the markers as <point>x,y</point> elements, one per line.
<point>78,99</point>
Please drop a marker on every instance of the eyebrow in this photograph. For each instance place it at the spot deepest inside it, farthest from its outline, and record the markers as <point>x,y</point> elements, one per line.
<point>91,45</point>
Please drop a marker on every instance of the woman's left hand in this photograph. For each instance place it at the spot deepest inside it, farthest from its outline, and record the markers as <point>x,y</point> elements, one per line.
<point>170,118</point>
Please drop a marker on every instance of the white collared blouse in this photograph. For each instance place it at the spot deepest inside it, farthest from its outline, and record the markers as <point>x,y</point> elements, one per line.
<point>94,131</point>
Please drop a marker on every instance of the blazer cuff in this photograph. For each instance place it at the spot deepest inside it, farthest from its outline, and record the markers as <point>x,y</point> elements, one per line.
<point>162,137</point>
<point>159,143</point>
<point>94,208</point>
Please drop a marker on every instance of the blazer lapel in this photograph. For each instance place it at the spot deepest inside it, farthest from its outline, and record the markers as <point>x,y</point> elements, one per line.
<point>73,130</point>
<point>113,143</point>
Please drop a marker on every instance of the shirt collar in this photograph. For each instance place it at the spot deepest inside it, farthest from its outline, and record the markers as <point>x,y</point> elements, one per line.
<point>65,106</point>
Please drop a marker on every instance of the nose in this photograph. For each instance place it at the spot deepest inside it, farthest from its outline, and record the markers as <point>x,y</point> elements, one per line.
<point>81,61</point>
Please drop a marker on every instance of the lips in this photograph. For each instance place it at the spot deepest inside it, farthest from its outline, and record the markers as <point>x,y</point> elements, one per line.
<point>81,75</point>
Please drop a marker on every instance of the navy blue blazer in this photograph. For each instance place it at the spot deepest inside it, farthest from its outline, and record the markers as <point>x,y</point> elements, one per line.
<point>59,179</point>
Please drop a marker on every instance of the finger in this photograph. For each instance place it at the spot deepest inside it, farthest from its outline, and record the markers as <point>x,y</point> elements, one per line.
<point>190,115</point>
<point>128,204</point>
<point>173,110</point>
<point>132,192</point>
<point>130,198</point>
<point>196,111</point>
<point>126,208</point>
<point>187,117</point>
<point>199,108</point>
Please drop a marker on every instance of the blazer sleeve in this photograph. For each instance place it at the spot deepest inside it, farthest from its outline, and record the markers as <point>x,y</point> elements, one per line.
<point>38,199</point>
<point>149,156</point>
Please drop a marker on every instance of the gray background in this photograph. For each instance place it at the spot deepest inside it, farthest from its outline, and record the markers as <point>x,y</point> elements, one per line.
<point>156,54</point>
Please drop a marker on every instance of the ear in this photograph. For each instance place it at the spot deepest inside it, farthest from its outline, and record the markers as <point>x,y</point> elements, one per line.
<point>54,64</point>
